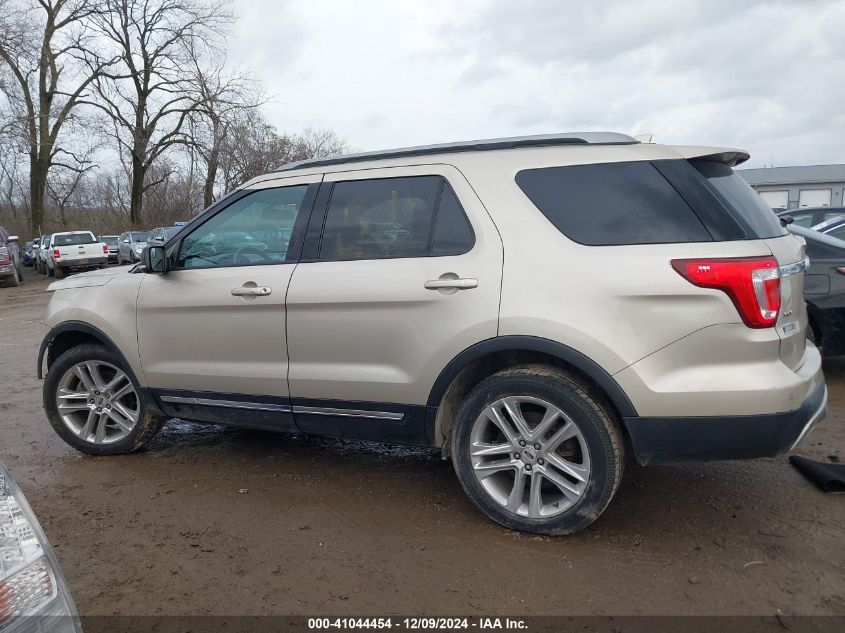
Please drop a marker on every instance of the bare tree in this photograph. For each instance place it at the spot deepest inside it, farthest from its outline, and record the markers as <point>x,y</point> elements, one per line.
<point>315,143</point>
<point>63,187</point>
<point>42,46</point>
<point>145,94</point>
<point>222,96</point>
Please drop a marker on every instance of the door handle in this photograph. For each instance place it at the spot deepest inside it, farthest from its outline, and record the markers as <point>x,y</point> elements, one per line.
<point>459,283</point>
<point>252,291</point>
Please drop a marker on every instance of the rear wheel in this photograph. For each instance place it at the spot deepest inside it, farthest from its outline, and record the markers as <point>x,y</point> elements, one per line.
<point>92,401</point>
<point>59,273</point>
<point>537,451</point>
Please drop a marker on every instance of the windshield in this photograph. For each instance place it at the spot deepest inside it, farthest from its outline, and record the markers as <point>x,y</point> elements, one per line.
<point>170,231</point>
<point>111,240</point>
<point>740,199</point>
<point>139,236</point>
<point>73,239</point>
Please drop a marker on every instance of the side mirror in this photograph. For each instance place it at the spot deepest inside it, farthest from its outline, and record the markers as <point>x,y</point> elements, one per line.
<point>12,238</point>
<point>155,261</point>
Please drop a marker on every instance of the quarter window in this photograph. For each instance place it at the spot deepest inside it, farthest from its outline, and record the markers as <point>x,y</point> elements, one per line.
<point>394,217</point>
<point>255,229</point>
<point>612,204</point>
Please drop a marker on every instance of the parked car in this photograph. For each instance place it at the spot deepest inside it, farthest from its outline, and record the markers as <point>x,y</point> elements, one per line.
<point>11,267</point>
<point>824,290</point>
<point>162,234</point>
<point>28,255</point>
<point>538,307</point>
<point>33,593</point>
<point>43,254</point>
<point>73,251</point>
<point>810,216</point>
<point>131,246</point>
<point>112,241</point>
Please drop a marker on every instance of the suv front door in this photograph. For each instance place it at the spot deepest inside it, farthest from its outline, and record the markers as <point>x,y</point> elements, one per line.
<point>401,272</point>
<point>211,331</point>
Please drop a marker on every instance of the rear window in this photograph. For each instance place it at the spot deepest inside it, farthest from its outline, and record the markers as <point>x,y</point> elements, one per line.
<point>140,237</point>
<point>73,240</point>
<point>739,198</point>
<point>612,204</point>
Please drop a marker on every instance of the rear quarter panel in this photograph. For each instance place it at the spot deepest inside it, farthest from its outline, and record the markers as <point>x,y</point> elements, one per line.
<point>615,304</point>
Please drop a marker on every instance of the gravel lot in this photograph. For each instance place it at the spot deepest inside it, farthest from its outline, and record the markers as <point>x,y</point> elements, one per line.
<point>213,520</point>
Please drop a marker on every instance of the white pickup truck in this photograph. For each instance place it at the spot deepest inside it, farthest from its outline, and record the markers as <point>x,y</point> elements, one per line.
<point>75,250</point>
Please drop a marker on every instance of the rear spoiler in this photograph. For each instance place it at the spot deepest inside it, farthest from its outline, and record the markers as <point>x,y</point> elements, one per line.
<point>730,156</point>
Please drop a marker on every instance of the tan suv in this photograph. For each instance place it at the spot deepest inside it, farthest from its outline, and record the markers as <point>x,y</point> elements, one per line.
<point>535,307</point>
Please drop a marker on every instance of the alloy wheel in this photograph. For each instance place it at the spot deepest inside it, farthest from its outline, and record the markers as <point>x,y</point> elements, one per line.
<point>97,402</point>
<point>530,457</point>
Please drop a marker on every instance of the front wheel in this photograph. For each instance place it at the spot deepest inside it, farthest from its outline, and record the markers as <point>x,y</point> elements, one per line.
<point>92,401</point>
<point>537,450</point>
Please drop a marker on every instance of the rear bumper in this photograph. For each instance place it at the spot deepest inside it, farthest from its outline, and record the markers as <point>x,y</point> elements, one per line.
<point>664,440</point>
<point>89,262</point>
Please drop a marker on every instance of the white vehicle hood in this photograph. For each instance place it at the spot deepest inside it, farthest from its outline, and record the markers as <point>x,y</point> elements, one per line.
<point>91,278</point>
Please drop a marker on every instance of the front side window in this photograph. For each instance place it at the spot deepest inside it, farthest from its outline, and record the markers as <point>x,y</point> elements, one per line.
<point>255,229</point>
<point>394,217</point>
<point>802,219</point>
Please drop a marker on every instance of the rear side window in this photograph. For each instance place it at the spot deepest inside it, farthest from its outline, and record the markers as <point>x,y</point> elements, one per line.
<point>612,204</point>
<point>394,217</point>
<point>452,232</point>
<point>73,240</point>
<point>740,199</point>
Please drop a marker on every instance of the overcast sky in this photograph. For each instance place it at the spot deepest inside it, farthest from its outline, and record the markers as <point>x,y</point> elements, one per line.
<point>765,76</point>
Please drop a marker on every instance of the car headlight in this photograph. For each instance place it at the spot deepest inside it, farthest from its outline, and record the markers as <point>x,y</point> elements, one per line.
<point>31,584</point>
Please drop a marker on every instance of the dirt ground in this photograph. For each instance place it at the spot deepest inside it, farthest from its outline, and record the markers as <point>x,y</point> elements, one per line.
<point>215,520</point>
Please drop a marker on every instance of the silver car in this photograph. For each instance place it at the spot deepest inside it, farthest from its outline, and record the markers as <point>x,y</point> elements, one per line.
<point>131,246</point>
<point>533,307</point>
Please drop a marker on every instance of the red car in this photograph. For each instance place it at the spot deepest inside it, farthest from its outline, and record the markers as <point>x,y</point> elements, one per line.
<point>11,269</point>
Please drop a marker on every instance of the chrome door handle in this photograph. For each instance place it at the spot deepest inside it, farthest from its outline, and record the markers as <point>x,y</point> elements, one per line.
<point>461,283</point>
<point>252,291</point>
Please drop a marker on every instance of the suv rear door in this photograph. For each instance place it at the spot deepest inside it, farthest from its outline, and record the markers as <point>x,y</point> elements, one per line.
<point>401,272</point>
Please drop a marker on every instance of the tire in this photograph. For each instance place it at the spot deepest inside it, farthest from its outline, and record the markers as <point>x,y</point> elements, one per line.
<point>119,260</point>
<point>59,272</point>
<point>589,445</point>
<point>114,438</point>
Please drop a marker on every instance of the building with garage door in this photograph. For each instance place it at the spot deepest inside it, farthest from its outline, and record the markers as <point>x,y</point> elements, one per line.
<point>797,187</point>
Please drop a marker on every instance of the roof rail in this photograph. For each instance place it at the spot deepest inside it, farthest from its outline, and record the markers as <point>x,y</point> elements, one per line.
<point>539,140</point>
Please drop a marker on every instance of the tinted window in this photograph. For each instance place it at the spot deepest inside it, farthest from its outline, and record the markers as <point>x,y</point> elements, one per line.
<point>452,232</point>
<point>612,203</point>
<point>838,232</point>
<point>253,230</point>
<point>740,199</point>
<point>72,240</point>
<point>375,219</point>
<point>138,236</point>
<point>111,241</point>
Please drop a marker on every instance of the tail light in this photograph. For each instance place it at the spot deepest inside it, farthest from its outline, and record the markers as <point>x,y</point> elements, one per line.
<point>752,283</point>
<point>57,254</point>
<point>106,249</point>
